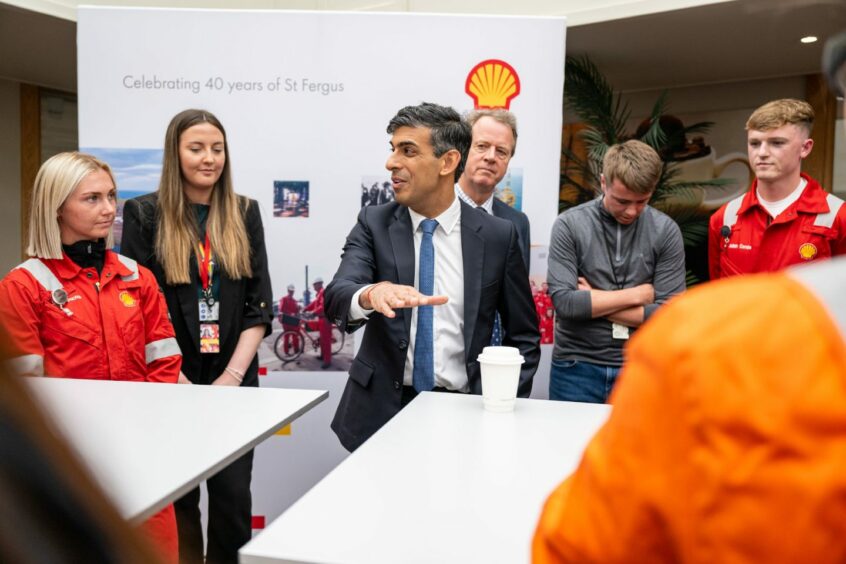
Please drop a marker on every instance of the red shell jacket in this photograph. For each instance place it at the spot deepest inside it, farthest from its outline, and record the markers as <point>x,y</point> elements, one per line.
<point>744,239</point>
<point>112,326</point>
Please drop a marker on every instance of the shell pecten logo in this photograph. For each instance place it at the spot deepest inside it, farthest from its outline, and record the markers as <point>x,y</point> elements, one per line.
<point>808,251</point>
<point>126,299</point>
<point>492,84</point>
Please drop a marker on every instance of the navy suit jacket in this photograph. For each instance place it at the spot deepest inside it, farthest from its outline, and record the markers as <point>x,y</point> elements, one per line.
<point>381,247</point>
<point>520,221</point>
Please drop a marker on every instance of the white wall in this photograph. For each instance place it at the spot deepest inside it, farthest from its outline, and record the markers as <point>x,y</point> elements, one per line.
<point>10,175</point>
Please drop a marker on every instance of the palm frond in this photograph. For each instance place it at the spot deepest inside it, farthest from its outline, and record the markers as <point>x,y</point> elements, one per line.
<point>694,233</point>
<point>588,94</point>
<point>699,127</point>
<point>691,279</point>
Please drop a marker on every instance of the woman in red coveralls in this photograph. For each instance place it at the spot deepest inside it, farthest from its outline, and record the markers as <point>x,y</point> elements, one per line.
<point>78,310</point>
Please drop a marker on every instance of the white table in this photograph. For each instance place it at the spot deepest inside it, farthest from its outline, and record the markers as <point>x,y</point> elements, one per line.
<point>147,444</point>
<point>444,481</point>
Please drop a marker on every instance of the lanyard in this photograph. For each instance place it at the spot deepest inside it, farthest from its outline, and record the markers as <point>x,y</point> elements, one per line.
<point>206,266</point>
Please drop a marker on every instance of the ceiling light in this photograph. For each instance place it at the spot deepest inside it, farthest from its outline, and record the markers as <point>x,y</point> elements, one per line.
<point>809,39</point>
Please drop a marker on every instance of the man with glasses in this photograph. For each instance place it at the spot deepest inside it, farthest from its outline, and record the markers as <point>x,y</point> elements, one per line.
<point>491,149</point>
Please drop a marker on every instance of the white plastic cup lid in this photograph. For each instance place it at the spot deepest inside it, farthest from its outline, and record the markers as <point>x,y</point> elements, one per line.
<point>504,355</point>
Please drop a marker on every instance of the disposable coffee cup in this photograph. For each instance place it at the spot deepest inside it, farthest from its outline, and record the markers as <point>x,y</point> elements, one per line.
<point>500,377</point>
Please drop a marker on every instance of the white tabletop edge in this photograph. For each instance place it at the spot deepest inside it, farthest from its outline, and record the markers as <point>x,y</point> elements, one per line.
<point>78,410</point>
<point>179,492</point>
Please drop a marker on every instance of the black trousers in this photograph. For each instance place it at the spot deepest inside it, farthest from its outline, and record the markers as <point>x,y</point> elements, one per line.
<point>230,516</point>
<point>230,504</point>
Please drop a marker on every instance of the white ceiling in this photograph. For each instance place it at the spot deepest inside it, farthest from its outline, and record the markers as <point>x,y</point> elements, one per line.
<point>712,43</point>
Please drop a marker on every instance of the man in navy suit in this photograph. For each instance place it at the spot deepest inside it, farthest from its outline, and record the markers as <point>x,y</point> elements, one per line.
<point>494,143</point>
<point>468,264</point>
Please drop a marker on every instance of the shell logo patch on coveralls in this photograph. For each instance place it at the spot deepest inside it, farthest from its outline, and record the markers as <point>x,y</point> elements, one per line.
<point>126,299</point>
<point>808,251</point>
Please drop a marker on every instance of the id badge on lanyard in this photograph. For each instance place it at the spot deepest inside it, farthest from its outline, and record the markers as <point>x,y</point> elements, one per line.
<point>209,307</point>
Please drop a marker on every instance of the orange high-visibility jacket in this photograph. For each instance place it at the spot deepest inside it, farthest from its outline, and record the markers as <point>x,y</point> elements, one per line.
<point>727,439</point>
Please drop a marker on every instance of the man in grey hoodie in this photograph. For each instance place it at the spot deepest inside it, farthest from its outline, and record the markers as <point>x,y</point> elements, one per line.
<point>612,262</point>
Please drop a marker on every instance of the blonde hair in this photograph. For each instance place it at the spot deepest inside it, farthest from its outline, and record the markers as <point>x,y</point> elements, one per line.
<point>635,164</point>
<point>57,178</point>
<point>777,113</point>
<point>178,232</point>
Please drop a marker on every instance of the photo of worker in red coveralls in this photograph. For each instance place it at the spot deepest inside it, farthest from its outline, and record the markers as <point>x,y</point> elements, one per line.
<point>289,310</point>
<point>316,307</point>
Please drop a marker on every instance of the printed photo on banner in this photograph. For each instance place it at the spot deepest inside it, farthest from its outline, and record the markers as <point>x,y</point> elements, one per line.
<point>303,339</point>
<point>540,293</point>
<point>510,188</point>
<point>376,190</point>
<point>290,198</point>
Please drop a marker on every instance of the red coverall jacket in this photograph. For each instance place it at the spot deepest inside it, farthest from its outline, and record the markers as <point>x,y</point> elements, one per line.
<point>120,332</point>
<point>813,227</point>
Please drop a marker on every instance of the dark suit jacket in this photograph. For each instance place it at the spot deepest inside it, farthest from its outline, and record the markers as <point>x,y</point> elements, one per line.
<point>520,221</point>
<point>244,303</point>
<point>381,247</point>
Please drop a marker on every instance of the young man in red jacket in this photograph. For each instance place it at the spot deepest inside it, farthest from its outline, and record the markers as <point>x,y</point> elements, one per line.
<point>786,217</point>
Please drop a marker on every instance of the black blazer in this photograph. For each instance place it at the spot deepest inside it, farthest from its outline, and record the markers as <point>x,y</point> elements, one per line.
<point>244,303</point>
<point>520,221</point>
<point>381,247</point>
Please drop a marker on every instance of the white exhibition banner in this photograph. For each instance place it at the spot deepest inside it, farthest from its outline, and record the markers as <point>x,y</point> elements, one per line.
<point>305,98</point>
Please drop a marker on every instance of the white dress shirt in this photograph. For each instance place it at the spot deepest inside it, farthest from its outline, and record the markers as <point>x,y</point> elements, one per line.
<point>487,205</point>
<point>448,319</point>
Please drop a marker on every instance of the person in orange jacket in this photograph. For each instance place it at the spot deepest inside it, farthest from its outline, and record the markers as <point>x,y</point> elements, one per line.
<point>786,217</point>
<point>727,438</point>
<point>77,309</point>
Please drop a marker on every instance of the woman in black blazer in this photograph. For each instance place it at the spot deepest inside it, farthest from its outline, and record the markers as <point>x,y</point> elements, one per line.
<point>205,244</point>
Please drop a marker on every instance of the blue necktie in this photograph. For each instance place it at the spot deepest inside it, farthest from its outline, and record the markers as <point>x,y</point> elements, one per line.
<point>423,373</point>
<point>496,336</point>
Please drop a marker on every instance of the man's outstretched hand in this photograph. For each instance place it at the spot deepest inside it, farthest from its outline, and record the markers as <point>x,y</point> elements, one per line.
<point>385,297</point>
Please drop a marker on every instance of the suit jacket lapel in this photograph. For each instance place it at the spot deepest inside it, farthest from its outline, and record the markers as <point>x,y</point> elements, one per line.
<point>402,243</point>
<point>473,253</point>
<point>497,211</point>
